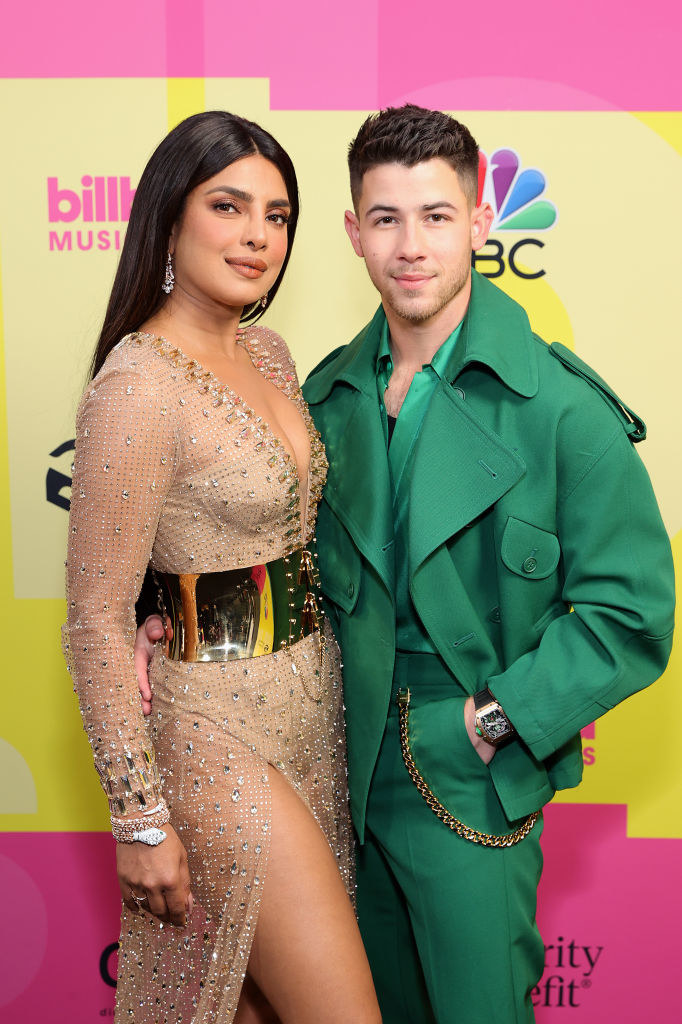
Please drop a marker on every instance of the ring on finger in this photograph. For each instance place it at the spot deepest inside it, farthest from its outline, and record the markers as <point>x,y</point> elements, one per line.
<point>138,899</point>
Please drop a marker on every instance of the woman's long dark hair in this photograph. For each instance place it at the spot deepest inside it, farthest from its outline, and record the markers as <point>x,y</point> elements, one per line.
<point>198,148</point>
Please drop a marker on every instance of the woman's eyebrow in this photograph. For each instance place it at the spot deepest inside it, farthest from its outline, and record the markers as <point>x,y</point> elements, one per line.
<point>247,197</point>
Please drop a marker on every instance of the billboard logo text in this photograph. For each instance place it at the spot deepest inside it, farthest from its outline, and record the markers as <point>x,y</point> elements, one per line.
<point>98,200</point>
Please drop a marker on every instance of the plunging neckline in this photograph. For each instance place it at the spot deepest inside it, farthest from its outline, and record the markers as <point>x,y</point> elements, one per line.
<point>189,363</point>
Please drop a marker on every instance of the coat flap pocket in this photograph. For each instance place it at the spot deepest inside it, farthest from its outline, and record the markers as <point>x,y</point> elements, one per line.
<point>529,551</point>
<point>340,563</point>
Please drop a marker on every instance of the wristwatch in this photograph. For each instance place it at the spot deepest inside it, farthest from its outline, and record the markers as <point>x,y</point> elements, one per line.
<point>491,722</point>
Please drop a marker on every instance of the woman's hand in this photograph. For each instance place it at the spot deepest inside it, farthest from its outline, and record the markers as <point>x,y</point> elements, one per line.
<point>146,638</point>
<point>158,876</point>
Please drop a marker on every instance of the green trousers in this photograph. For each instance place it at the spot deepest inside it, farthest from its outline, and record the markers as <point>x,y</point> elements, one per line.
<point>449,926</point>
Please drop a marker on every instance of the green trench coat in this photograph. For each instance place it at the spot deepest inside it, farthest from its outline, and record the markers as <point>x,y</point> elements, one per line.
<point>538,561</point>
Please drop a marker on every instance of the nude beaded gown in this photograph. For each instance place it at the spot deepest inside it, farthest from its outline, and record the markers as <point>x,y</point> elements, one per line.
<point>172,467</point>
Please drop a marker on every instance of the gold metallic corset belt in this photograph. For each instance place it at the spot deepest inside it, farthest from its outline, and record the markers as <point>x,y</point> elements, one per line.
<point>241,613</point>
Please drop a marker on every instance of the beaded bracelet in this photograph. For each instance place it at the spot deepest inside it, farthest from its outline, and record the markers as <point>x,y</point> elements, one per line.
<point>124,830</point>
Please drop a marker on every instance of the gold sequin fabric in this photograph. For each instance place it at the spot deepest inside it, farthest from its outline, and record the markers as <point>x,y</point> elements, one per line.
<point>172,467</point>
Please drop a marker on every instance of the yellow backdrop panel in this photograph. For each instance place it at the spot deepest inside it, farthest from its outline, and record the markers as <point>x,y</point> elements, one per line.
<point>609,291</point>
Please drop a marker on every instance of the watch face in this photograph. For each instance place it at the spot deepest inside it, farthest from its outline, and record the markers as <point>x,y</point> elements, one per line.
<point>494,723</point>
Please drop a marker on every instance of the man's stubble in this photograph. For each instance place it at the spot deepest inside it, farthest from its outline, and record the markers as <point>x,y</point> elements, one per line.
<point>406,304</point>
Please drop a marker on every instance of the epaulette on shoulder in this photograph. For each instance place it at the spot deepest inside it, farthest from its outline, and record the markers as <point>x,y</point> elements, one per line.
<point>633,426</point>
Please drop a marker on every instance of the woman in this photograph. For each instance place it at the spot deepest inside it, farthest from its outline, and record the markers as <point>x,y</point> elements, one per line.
<point>195,451</point>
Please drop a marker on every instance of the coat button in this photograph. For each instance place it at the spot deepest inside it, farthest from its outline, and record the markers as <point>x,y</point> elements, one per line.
<point>530,564</point>
<point>351,589</point>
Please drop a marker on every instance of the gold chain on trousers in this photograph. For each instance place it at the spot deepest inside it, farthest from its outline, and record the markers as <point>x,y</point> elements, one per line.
<point>453,823</point>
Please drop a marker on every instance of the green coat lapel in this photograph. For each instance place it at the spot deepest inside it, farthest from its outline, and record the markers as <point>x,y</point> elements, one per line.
<point>461,465</point>
<point>343,402</point>
<point>461,468</point>
<point>358,485</point>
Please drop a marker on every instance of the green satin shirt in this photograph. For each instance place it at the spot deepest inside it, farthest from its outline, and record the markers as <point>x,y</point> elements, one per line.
<point>410,633</point>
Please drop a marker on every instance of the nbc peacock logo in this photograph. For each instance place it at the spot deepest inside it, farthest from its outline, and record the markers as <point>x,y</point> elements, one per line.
<point>516,196</point>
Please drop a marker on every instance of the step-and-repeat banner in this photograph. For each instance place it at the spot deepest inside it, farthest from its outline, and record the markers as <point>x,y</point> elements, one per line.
<point>578,117</point>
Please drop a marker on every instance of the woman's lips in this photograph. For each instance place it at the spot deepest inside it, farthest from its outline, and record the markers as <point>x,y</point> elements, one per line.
<point>247,267</point>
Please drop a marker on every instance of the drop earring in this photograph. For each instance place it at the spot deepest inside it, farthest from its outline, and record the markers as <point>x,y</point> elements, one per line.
<point>169,279</point>
<point>264,300</point>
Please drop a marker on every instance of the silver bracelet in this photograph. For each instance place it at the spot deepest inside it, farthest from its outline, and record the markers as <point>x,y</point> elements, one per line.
<point>146,829</point>
<point>149,836</point>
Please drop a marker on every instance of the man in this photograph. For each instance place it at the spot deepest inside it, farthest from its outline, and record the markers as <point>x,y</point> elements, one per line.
<point>497,574</point>
<point>487,538</point>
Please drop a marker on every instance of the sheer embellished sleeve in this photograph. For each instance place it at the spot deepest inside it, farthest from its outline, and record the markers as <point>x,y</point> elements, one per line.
<point>126,455</point>
<point>267,348</point>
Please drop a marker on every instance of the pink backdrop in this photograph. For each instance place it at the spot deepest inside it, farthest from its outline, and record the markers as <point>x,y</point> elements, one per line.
<point>368,53</point>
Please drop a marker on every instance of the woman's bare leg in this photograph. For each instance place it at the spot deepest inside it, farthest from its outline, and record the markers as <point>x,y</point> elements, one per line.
<point>253,1006</point>
<point>307,956</point>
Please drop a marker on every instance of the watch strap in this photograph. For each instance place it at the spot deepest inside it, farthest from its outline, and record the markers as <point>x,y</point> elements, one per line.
<point>482,698</point>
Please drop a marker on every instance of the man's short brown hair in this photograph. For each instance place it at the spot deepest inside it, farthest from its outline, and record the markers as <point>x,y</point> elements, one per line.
<point>410,135</point>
